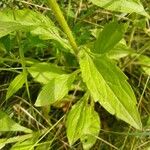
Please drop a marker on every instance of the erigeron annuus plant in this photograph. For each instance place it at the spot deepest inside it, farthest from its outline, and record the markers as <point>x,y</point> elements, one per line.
<point>102,81</point>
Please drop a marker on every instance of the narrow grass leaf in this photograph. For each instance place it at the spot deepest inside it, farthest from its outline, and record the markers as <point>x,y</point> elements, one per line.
<point>27,144</point>
<point>4,141</point>
<point>107,85</point>
<point>83,123</point>
<point>16,84</point>
<point>125,6</point>
<point>7,124</point>
<point>55,90</point>
<point>2,145</point>
<point>109,37</point>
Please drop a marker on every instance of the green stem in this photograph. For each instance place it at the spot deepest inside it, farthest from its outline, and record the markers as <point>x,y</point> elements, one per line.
<point>22,59</point>
<point>60,18</point>
<point>23,63</point>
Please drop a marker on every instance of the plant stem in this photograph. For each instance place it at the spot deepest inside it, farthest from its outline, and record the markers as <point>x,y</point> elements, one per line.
<point>60,18</point>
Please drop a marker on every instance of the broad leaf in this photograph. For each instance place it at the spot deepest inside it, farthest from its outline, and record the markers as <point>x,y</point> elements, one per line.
<point>55,90</point>
<point>25,20</point>
<point>16,84</point>
<point>119,51</point>
<point>29,21</point>
<point>108,85</point>
<point>47,33</point>
<point>91,128</point>
<point>109,37</point>
<point>44,72</point>
<point>7,124</point>
<point>83,123</point>
<point>125,6</point>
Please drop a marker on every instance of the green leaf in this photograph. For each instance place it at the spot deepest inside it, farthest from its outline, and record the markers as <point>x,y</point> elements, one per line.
<point>29,21</point>
<point>4,141</point>
<point>6,28</point>
<point>107,85</point>
<point>27,144</point>
<point>47,33</point>
<point>145,63</point>
<point>83,123</point>
<point>109,37</point>
<point>91,128</point>
<point>55,89</point>
<point>25,20</point>
<point>125,6</point>
<point>119,51</point>
<point>7,124</point>
<point>44,72</point>
<point>16,84</point>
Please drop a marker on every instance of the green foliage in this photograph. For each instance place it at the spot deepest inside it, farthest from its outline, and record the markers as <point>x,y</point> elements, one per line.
<point>29,21</point>
<point>16,84</point>
<point>44,72</point>
<point>4,141</point>
<point>19,20</point>
<point>83,123</point>
<point>76,79</point>
<point>55,90</point>
<point>145,62</point>
<point>126,6</point>
<point>108,85</point>
<point>26,144</point>
<point>7,124</point>
<point>121,50</point>
<point>109,37</point>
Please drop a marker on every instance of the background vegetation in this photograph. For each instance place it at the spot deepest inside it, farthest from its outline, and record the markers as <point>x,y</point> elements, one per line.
<point>28,51</point>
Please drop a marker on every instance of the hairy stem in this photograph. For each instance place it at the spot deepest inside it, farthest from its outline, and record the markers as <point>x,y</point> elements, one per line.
<point>60,18</point>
